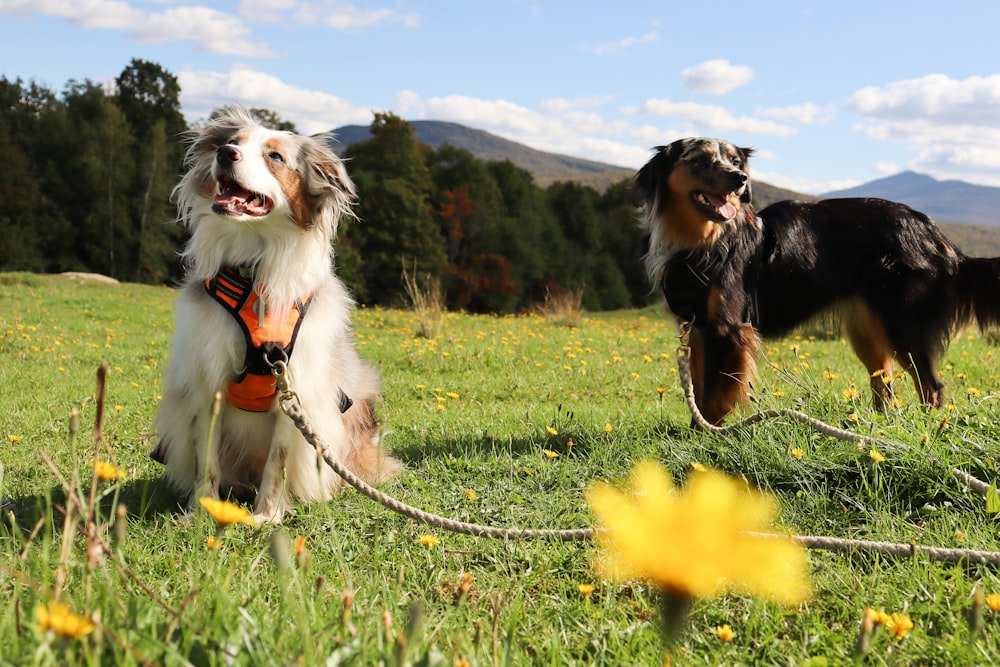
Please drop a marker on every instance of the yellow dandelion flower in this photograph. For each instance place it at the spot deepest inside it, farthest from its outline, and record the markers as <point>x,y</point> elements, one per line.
<point>972,391</point>
<point>585,589</point>
<point>107,471</point>
<point>119,408</point>
<point>850,393</point>
<point>899,625</point>
<point>225,512</point>
<point>607,428</point>
<point>876,456</point>
<point>470,494</point>
<point>14,438</point>
<point>993,601</point>
<point>551,431</point>
<point>877,616</point>
<point>428,541</point>
<point>549,454</point>
<point>299,547</point>
<point>701,541</point>
<point>660,390</point>
<point>452,395</point>
<point>724,632</point>
<point>213,543</point>
<point>57,616</point>
<point>797,452</point>
<point>853,417</point>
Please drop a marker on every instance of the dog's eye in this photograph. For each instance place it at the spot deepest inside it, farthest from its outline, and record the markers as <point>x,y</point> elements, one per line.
<point>276,156</point>
<point>736,160</point>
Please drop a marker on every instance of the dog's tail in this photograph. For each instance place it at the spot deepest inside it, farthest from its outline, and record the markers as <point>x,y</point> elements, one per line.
<point>979,291</point>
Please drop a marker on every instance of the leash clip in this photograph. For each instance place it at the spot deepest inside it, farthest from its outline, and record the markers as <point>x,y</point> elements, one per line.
<point>685,336</point>
<point>283,381</point>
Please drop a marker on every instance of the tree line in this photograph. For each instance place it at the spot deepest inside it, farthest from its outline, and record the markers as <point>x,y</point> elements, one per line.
<point>89,171</point>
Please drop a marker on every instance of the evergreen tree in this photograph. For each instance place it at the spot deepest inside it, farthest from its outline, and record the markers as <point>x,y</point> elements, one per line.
<point>396,225</point>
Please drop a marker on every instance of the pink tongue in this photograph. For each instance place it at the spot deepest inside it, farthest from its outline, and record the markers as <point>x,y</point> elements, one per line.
<point>722,205</point>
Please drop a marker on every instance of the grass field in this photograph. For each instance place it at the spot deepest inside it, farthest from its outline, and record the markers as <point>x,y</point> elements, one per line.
<point>499,420</point>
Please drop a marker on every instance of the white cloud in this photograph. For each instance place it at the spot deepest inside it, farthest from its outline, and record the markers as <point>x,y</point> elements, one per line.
<point>311,111</point>
<point>802,114</point>
<point>975,100</point>
<point>211,30</point>
<point>711,118</point>
<point>563,105</point>
<point>716,76</point>
<point>622,44</point>
<point>951,123</point>
<point>345,16</point>
<point>577,133</point>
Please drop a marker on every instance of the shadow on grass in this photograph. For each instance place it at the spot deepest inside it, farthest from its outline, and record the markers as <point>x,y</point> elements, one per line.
<point>145,499</point>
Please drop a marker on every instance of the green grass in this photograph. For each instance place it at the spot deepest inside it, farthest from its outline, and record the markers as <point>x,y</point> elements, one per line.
<point>469,409</point>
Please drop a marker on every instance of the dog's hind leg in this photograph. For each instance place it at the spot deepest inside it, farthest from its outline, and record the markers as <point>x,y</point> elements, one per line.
<point>272,497</point>
<point>870,343</point>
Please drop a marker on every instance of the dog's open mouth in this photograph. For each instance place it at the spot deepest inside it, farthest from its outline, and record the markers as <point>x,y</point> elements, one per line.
<point>231,198</point>
<point>718,207</point>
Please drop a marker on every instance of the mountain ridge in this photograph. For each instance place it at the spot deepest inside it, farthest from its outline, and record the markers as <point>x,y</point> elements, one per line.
<point>944,201</point>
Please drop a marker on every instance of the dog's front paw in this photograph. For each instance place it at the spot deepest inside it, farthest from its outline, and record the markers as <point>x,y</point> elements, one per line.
<point>271,513</point>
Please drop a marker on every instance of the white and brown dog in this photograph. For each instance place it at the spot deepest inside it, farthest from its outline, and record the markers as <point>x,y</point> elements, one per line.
<point>262,207</point>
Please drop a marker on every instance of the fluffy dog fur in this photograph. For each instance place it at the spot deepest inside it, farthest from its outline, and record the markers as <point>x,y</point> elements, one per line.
<point>269,202</point>
<point>899,288</point>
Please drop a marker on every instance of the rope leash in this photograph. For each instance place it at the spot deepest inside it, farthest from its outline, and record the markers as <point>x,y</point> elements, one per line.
<point>293,409</point>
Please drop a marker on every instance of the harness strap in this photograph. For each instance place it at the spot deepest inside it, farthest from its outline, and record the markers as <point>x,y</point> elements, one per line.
<point>268,339</point>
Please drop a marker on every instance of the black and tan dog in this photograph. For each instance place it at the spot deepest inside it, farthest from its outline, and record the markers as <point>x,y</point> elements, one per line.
<point>899,288</point>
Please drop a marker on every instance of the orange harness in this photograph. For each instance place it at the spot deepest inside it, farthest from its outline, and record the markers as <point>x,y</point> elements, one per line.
<point>268,339</point>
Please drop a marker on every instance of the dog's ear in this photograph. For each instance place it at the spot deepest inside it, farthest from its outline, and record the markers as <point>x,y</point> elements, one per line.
<point>745,154</point>
<point>656,170</point>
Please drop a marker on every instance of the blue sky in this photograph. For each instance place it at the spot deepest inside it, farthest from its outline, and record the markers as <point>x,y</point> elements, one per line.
<point>830,94</point>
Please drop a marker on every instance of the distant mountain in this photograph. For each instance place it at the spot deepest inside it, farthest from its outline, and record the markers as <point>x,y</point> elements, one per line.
<point>546,167</point>
<point>945,201</point>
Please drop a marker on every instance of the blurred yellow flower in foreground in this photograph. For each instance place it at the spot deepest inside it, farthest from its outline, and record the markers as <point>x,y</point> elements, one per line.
<point>107,471</point>
<point>57,616</point>
<point>704,540</point>
<point>225,512</point>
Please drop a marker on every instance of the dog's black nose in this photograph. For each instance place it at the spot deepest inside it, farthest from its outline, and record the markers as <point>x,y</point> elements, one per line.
<point>226,155</point>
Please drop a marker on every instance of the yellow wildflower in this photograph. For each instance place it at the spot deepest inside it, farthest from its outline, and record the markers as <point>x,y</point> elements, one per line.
<point>993,601</point>
<point>853,417</point>
<point>470,494</point>
<point>797,452</point>
<point>701,541</point>
<point>299,547</point>
<point>876,456</point>
<point>451,395</point>
<point>878,617</point>
<point>107,471</point>
<point>14,438</point>
<point>549,454</point>
<point>899,625</point>
<point>551,431</point>
<point>57,616</point>
<point>585,589</point>
<point>428,541</point>
<point>225,512</point>
<point>214,543</point>
<point>607,428</point>
<point>724,632</point>
<point>850,393</point>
